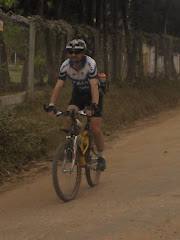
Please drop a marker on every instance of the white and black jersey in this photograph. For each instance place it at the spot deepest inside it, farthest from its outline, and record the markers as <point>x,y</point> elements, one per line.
<point>79,79</point>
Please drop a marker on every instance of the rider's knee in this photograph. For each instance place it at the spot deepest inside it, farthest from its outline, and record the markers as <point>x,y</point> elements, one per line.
<point>96,130</point>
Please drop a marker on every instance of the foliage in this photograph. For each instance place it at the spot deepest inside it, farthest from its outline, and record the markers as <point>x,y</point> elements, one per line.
<point>125,105</point>
<point>157,16</point>
<point>40,68</point>
<point>21,140</point>
<point>27,134</point>
<point>15,73</point>
<point>8,4</point>
<point>99,23</point>
<point>85,32</point>
<point>15,36</point>
<point>16,39</point>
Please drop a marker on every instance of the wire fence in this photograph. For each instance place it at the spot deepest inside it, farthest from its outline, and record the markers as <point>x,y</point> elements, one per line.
<point>31,51</point>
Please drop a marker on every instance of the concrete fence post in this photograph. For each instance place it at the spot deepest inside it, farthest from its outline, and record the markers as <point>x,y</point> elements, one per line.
<point>31,57</point>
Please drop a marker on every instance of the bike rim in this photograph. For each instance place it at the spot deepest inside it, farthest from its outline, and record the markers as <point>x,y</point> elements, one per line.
<point>92,172</point>
<point>68,177</point>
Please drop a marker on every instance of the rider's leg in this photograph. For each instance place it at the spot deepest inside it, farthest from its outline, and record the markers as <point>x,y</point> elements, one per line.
<point>99,140</point>
<point>97,133</point>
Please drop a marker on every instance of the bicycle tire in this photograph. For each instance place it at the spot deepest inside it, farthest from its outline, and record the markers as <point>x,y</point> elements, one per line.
<point>64,189</point>
<point>92,172</point>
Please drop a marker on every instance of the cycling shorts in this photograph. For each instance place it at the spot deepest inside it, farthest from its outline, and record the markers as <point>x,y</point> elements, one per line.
<point>83,100</point>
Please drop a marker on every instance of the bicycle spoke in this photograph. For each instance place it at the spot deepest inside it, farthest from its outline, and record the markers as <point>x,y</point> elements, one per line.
<point>92,172</point>
<point>66,172</point>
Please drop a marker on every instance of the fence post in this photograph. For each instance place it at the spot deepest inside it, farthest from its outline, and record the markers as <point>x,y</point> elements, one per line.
<point>31,57</point>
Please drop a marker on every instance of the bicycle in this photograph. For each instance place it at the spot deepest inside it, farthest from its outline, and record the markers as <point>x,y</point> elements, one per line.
<point>77,151</point>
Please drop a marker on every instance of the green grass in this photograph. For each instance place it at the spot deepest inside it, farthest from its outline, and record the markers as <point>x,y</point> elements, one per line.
<point>15,73</point>
<point>15,76</point>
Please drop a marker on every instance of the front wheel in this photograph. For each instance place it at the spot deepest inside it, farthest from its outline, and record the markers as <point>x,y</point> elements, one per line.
<point>92,172</point>
<point>66,173</point>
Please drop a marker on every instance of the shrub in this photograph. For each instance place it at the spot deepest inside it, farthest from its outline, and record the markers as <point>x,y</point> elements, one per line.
<point>26,133</point>
<point>21,141</point>
<point>40,70</point>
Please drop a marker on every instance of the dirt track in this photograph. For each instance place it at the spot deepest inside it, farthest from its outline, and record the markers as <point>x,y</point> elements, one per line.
<point>138,197</point>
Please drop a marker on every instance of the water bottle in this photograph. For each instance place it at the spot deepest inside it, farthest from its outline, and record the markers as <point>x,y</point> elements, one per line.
<point>102,77</point>
<point>80,139</point>
<point>102,81</point>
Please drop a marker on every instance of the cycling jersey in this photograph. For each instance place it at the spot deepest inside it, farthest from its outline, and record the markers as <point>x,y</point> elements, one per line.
<point>79,79</point>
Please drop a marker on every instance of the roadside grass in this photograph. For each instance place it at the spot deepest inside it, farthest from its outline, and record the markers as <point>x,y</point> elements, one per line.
<point>125,105</point>
<point>15,76</point>
<point>28,135</point>
<point>15,73</point>
<point>14,86</point>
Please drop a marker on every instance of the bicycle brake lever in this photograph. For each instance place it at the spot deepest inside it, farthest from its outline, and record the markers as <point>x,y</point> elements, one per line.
<point>82,112</point>
<point>45,108</point>
<point>58,113</point>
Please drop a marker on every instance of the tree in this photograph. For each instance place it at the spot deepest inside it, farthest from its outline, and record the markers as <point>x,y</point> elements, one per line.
<point>4,74</point>
<point>152,16</point>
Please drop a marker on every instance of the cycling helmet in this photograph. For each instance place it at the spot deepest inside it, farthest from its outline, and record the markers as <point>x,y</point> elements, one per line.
<point>76,44</point>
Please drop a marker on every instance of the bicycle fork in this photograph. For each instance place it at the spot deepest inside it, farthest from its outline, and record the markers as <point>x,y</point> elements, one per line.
<point>73,157</point>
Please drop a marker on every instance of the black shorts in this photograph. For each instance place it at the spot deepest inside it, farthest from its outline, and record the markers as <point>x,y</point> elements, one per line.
<point>83,100</point>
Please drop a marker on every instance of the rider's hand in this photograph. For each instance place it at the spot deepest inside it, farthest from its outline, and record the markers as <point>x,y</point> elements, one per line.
<point>50,110</point>
<point>89,112</point>
<point>51,114</point>
<point>92,109</point>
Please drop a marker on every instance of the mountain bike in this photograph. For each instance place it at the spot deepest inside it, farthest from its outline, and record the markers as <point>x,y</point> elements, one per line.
<point>77,151</point>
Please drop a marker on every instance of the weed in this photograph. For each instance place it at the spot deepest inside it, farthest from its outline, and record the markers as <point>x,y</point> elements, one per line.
<point>27,134</point>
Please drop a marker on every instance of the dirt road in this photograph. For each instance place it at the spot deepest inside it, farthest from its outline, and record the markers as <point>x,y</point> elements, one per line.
<point>138,197</point>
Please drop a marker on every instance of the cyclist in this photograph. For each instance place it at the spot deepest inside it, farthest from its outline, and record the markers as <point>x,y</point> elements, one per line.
<point>82,71</point>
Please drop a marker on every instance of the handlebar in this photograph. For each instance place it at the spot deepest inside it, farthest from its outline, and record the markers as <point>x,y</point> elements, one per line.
<point>70,112</point>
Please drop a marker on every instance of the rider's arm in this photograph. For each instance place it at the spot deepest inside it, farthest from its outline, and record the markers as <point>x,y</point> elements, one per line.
<point>94,90</point>
<point>92,75</point>
<point>56,91</point>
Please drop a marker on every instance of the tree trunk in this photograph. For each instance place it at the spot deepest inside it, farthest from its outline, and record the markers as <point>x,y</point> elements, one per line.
<point>51,67</point>
<point>41,8</point>
<point>140,64</point>
<point>167,59</point>
<point>120,59</point>
<point>24,77</point>
<point>173,70</point>
<point>156,57</point>
<point>83,11</point>
<point>128,39</point>
<point>90,12</point>
<point>132,61</point>
<point>59,52</point>
<point>99,14</point>
<point>116,40</point>
<point>105,31</point>
<point>165,20</point>
<point>4,73</point>
<point>58,9</point>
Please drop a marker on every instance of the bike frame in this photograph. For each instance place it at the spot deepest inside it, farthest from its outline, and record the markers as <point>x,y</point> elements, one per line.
<point>80,140</point>
<point>75,152</point>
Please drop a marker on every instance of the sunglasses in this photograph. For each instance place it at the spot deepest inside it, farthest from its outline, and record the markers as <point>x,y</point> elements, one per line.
<point>75,52</point>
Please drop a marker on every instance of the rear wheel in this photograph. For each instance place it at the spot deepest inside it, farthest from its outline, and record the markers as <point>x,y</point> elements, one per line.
<point>92,172</point>
<point>66,175</point>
